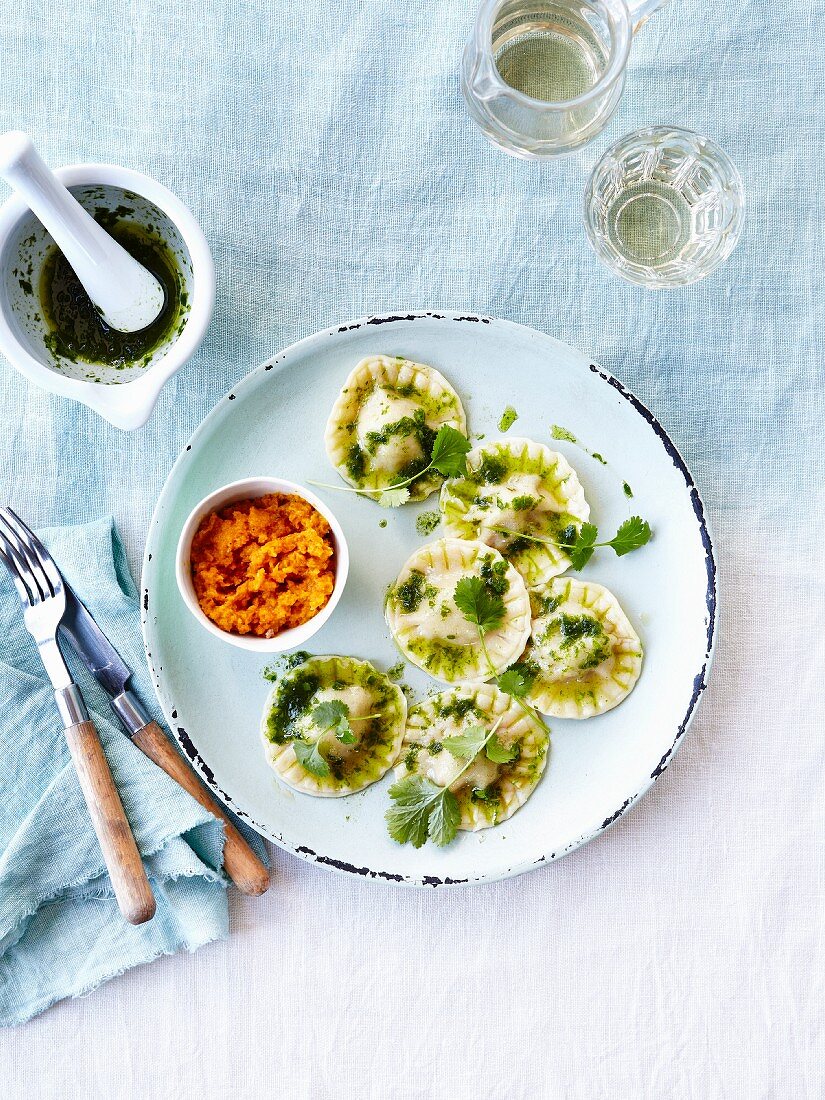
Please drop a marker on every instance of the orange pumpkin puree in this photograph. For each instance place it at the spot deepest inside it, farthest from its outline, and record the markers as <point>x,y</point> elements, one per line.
<point>264,565</point>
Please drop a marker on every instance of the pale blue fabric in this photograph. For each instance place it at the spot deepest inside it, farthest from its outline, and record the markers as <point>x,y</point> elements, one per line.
<point>327,153</point>
<point>60,930</point>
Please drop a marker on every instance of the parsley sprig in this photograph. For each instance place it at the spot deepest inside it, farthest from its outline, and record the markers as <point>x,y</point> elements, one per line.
<point>580,543</point>
<point>422,809</point>
<point>331,716</point>
<point>448,458</point>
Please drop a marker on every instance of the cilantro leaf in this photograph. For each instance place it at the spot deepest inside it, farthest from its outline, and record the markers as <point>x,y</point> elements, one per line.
<point>477,604</point>
<point>310,759</point>
<point>449,451</point>
<point>408,818</point>
<point>579,545</point>
<point>466,745</point>
<point>328,714</point>
<point>512,683</point>
<point>444,818</point>
<point>632,534</point>
<point>498,753</point>
<point>581,549</point>
<point>333,715</point>
<point>394,497</point>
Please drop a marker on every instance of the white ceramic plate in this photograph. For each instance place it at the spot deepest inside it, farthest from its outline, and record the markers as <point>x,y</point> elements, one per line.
<point>273,423</point>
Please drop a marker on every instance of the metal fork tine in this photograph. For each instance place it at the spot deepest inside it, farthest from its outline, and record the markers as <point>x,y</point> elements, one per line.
<point>27,555</point>
<point>28,536</point>
<point>11,562</point>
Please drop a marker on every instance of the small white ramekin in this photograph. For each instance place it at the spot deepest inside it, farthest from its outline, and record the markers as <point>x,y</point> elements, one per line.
<point>246,489</point>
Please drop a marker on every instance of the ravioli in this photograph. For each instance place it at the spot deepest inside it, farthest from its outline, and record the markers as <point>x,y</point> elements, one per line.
<point>382,427</point>
<point>584,657</point>
<point>515,493</point>
<point>375,711</point>
<point>432,632</point>
<point>487,793</point>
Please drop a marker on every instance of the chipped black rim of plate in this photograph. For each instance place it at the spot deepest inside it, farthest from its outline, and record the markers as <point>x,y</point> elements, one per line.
<point>699,682</point>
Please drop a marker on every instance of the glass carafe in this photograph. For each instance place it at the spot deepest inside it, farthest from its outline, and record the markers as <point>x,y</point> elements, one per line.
<point>543,78</point>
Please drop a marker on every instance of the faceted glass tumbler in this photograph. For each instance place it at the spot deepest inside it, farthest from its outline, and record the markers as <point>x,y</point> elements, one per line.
<point>664,207</point>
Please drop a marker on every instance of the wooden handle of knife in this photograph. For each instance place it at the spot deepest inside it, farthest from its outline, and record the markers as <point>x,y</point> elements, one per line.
<point>120,853</point>
<point>239,861</point>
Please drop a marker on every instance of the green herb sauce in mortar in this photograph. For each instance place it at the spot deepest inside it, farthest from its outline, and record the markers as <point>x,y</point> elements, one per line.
<point>77,332</point>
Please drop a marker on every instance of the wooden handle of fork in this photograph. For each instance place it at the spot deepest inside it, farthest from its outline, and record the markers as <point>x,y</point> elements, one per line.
<point>120,853</point>
<point>239,861</point>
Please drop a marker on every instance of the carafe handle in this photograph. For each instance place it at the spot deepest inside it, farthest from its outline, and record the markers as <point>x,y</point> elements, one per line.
<point>641,10</point>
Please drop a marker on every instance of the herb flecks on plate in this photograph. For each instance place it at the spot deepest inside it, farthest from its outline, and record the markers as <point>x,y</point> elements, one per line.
<point>508,419</point>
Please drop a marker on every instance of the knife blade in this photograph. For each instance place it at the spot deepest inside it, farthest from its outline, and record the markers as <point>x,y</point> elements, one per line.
<point>104,662</point>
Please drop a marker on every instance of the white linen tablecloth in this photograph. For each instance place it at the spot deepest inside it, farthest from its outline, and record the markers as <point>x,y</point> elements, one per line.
<point>326,151</point>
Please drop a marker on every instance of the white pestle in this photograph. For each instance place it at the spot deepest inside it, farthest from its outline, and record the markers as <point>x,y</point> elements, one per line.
<point>127,295</point>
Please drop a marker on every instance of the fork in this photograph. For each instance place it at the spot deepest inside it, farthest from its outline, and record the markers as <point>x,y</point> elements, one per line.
<point>40,588</point>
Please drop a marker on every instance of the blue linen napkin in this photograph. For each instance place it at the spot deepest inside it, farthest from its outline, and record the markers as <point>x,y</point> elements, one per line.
<point>61,933</point>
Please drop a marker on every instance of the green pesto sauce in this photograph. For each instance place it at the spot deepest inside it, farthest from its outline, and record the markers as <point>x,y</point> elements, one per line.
<point>77,332</point>
<point>285,664</point>
<point>575,628</point>
<point>442,656</point>
<point>396,672</point>
<point>508,419</point>
<point>427,522</point>
<point>410,594</point>
<point>493,573</point>
<point>293,698</point>
<point>411,756</point>
<point>491,471</point>
<point>382,523</point>
<point>356,464</point>
<point>407,426</point>
<point>490,799</point>
<point>628,492</point>
<point>543,605</point>
<point>456,708</point>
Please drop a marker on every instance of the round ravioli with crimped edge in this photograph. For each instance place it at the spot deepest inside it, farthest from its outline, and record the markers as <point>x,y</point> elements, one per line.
<point>518,496</point>
<point>487,792</point>
<point>382,427</point>
<point>431,630</point>
<point>583,657</point>
<point>346,746</point>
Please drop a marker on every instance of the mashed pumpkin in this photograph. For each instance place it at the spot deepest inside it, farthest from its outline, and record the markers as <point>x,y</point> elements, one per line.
<point>264,565</point>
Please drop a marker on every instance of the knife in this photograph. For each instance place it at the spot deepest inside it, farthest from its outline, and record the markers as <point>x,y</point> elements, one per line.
<point>104,662</point>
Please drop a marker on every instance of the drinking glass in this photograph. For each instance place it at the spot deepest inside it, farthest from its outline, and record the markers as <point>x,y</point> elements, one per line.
<point>543,78</point>
<point>664,207</point>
